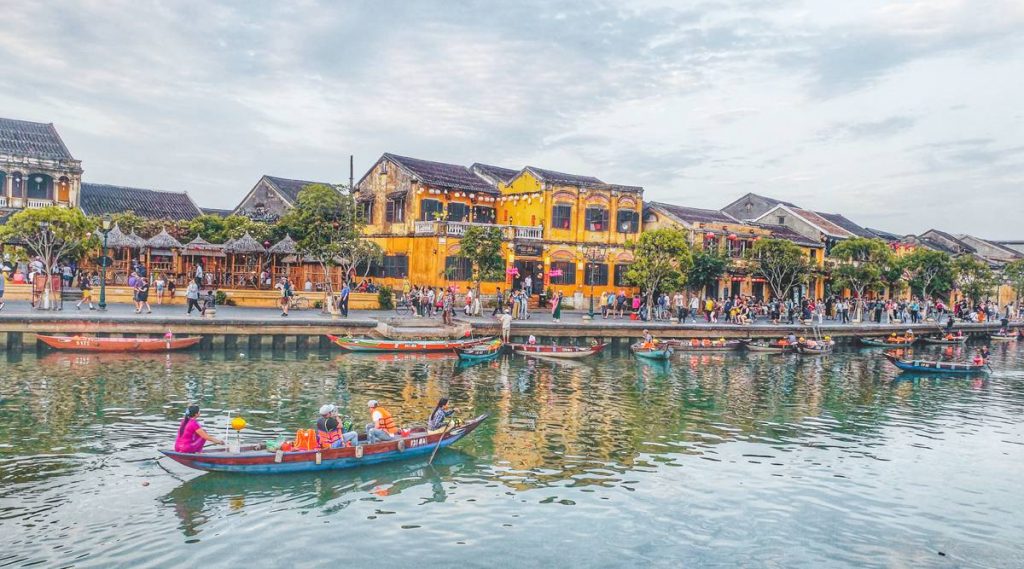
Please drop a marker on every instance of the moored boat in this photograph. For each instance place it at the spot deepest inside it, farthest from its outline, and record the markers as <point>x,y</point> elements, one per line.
<point>775,346</point>
<point>931,366</point>
<point>90,344</point>
<point>703,345</point>
<point>815,347</point>
<point>1003,336</point>
<point>481,352</point>
<point>373,345</point>
<point>256,459</point>
<point>898,342</point>
<point>655,352</point>
<point>555,351</point>
<point>946,340</point>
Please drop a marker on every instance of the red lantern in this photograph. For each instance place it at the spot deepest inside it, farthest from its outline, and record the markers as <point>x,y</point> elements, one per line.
<point>732,237</point>
<point>709,235</point>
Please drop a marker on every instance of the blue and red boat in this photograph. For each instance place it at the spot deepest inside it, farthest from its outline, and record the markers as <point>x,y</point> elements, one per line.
<point>931,366</point>
<point>256,459</point>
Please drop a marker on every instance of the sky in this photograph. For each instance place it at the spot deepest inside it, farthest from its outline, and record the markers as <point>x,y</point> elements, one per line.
<point>902,116</point>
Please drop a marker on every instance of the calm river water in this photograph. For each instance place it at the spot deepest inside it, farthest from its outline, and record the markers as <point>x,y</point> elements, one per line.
<point>721,460</point>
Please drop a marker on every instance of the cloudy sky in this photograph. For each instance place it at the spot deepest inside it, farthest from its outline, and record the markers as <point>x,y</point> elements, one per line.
<point>901,115</point>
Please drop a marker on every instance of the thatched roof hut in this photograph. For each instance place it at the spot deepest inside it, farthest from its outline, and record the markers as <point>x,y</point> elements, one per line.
<point>244,245</point>
<point>286,246</point>
<point>163,240</point>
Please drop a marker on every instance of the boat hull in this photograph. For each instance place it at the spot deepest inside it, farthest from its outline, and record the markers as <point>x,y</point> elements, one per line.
<point>651,353</point>
<point>944,342</point>
<point>684,346</point>
<point>475,354</point>
<point>407,346</point>
<point>996,338</point>
<point>871,342</point>
<point>264,462</point>
<point>117,345</point>
<point>564,352</point>
<point>815,351</point>
<point>768,348</point>
<point>935,367</point>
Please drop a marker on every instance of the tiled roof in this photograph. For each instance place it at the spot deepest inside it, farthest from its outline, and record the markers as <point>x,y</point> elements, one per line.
<point>442,175</point>
<point>289,188</point>
<point>825,225</point>
<point>99,199</point>
<point>772,201</point>
<point>884,234</point>
<point>215,211</point>
<point>785,233</point>
<point>34,139</point>
<point>843,222</point>
<point>692,214</point>
<point>495,173</point>
<point>554,177</point>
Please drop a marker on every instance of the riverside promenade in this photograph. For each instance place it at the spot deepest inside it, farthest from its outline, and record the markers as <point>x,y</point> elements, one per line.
<point>306,329</point>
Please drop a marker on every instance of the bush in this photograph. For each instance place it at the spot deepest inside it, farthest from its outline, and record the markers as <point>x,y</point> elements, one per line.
<point>386,298</point>
<point>221,298</point>
<point>318,304</point>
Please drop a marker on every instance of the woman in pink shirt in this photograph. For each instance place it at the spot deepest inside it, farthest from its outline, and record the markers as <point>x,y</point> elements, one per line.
<point>191,436</point>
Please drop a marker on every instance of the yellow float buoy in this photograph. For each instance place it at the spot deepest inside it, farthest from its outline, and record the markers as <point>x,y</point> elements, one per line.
<point>238,423</point>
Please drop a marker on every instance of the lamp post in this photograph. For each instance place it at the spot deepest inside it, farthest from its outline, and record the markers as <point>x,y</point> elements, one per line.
<point>44,231</point>
<point>104,262</point>
<point>593,255</point>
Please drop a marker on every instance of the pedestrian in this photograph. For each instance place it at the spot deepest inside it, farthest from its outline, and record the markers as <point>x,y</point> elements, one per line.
<point>680,304</point>
<point>192,295</point>
<point>499,300</point>
<point>506,325</point>
<point>3,277</point>
<point>142,296</point>
<point>83,285</point>
<point>346,291</point>
<point>161,284</point>
<point>199,275</point>
<point>556,307</point>
<point>524,301</point>
<point>285,287</point>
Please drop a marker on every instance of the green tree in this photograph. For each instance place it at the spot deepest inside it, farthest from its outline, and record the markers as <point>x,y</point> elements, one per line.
<point>707,269</point>
<point>662,260</point>
<point>1014,273</point>
<point>893,274</point>
<point>482,247</point>
<point>52,234</point>
<point>973,277</point>
<point>860,266</point>
<point>217,229</point>
<point>931,272</point>
<point>782,264</point>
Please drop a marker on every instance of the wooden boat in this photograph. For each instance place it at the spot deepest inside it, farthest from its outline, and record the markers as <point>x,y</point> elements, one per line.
<point>703,345</point>
<point>947,340</point>
<point>256,459</point>
<point>554,351</point>
<point>777,346</point>
<point>481,352</point>
<point>658,352</point>
<point>1003,337</point>
<point>901,342</point>
<point>815,347</point>
<point>372,345</point>
<point>929,366</point>
<point>89,344</point>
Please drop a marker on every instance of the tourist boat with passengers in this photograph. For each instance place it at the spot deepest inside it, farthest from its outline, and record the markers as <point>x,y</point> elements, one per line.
<point>258,459</point>
<point>931,366</point>
<point>703,345</point>
<point>657,351</point>
<point>1003,336</point>
<point>947,339</point>
<point>816,347</point>
<point>781,346</point>
<point>115,345</point>
<point>481,352</point>
<point>374,345</point>
<point>556,351</point>
<point>888,342</point>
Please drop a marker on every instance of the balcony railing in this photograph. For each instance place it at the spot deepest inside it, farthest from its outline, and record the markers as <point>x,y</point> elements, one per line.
<point>36,203</point>
<point>458,229</point>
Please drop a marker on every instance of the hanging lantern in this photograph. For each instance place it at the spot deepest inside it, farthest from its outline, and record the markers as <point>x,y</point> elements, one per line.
<point>732,237</point>
<point>709,235</point>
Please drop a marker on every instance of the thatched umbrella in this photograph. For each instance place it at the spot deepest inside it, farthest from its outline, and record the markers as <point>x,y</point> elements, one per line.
<point>201,248</point>
<point>285,248</point>
<point>247,250</point>
<point>120,245</point>
<point>165,248</point>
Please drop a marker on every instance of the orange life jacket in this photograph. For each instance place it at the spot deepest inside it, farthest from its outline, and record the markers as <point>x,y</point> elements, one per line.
<point>385,423</point>
<point>327,438</point>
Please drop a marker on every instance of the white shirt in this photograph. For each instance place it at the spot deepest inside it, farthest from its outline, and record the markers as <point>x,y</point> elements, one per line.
<point>506,321</point>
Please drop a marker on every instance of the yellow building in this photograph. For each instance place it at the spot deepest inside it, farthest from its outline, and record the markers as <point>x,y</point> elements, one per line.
<point>559,230</point>
<point>714,230</point>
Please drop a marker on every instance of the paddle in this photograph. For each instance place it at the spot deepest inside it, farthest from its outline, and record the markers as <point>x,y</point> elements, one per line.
<point>438,446</point>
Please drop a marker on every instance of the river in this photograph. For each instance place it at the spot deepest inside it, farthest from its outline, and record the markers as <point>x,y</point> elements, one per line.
<point>753,460</point>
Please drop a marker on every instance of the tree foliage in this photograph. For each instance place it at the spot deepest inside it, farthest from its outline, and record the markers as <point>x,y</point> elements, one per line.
<point>861,261</point>
<point>217,229</point>
<point>707,268</point>
<point>973,277</point>
<point>930,272</point>
<point>782,264</point>
<point>53,234</point>
<point>482,247</point>
<point>662,260</point>
<point>1014,273</point>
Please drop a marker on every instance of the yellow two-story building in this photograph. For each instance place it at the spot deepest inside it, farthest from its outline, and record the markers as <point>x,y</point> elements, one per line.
<point>559,231</point>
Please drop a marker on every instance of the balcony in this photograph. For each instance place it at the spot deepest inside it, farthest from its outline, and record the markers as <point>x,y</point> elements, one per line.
<point>458,229</point>
<point>26,202</point>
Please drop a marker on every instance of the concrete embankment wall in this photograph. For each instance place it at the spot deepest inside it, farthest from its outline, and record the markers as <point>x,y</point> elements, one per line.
<point>310,334</point>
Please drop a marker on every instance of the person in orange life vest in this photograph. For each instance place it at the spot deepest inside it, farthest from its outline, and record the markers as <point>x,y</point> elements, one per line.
<point>329,433</point>
<point>648,341</point>
<point>383,427</point>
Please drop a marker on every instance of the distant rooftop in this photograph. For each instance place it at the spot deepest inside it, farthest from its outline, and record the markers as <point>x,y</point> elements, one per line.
<point>100,199</point>
<point>692,214</point>
<point>32,139</point>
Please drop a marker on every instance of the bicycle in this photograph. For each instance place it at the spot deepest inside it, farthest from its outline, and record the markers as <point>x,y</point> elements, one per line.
<point>298,303</point>
<point>403,307</point>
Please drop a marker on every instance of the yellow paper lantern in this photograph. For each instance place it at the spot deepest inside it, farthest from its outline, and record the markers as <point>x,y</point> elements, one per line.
<point>238,423</point>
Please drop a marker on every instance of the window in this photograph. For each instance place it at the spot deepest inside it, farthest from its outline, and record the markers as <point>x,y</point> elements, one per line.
<point>366,210</point>
<point>561,216</point>
<point>395,210</point>
<point>596,274</point>
<point>395,266</point>
<point>458,268</point>
<point>383,166</point>
<point>565,271</point>
<point>627,221</point>
<point>810,253</point>
<point>782,220</point>
<point>620,274</point>
<point>430,207</point>
<point>597,219</point>
<point>458,212</point>
<point>484,214</point>
<point>737,247</point>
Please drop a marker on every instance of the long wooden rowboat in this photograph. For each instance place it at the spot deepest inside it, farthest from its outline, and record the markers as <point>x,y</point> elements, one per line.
<point>816,349</point>
<point>552,351</point>
<point>772,347</point>
<point>371,345</point>
<point>1002,337</point>
<point>655,353</point>
<point>944,341</point>
<point>255,459</point>
<point>878,343</point>
<point>88,344</point>
<point>928,366</point>
<point>705,345</point>
<point>481,352</point>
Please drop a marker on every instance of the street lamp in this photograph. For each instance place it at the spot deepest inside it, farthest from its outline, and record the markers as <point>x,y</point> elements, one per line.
<point>104,261</point>
<point>593,254</point>
<point>44,230</point>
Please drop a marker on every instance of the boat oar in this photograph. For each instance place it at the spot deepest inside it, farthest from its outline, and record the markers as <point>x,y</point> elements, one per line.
<point>438,446</point>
